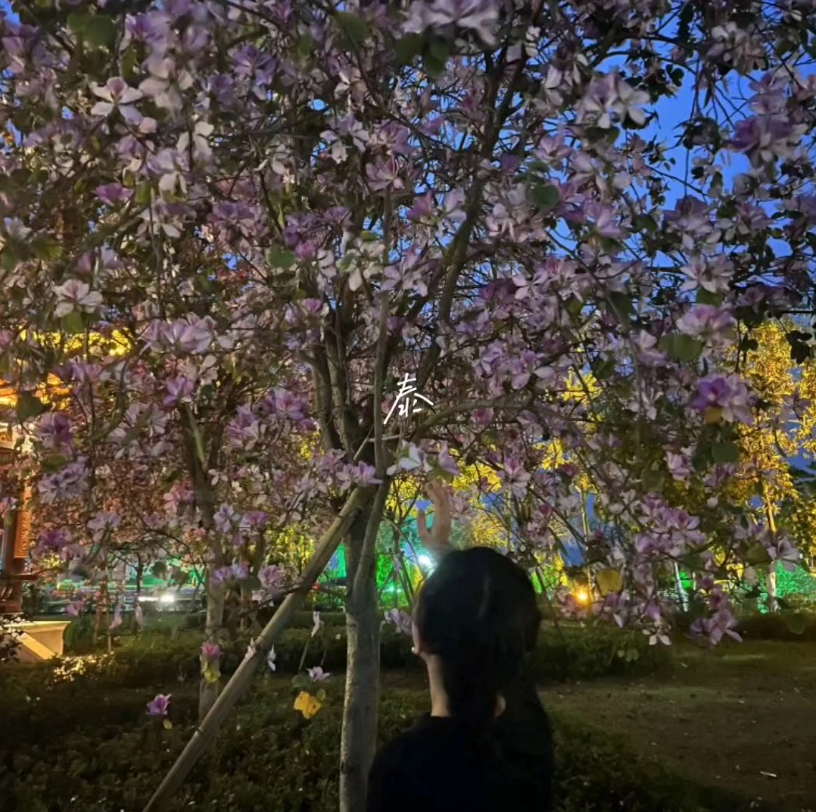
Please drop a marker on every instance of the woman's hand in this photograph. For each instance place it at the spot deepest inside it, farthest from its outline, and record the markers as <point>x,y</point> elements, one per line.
<point>437,539</point>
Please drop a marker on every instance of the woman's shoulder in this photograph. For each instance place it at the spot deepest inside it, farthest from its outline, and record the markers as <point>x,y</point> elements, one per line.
<point>426,735</point>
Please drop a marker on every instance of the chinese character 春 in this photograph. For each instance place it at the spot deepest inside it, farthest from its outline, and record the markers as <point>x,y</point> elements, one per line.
<point>406,399</point>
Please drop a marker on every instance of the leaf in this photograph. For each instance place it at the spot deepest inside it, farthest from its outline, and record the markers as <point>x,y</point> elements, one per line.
<point>143,194</point>
<point>724,453</point>
<point>9,258</point>
<point>707,297</point>
<point>436,57</point>
<point>100,31</point>
<point>609,581</point>
<point>683,348</point>
<point>632,655</point>
<point>300,682</point>
<point>796,623</point>
<point>622,305</point>
<point>28,406</point>
<point>73,323</point>
<point>278,258</point>
<point>77,20</point>
<point>321,694</point>
<point>353,26</point>
<point>757,555</point>
<point>167,724</point>
<point>603,367</point>
<point>46,249</point>
<point>408,48</point>
<point>545,197</point>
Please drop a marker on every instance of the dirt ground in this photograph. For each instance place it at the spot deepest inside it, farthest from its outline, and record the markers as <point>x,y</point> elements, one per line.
<point>742,717</point>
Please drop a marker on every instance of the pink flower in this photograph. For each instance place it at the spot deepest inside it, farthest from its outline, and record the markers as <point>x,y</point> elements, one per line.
<point>317,674</point>
<point>210,652</point>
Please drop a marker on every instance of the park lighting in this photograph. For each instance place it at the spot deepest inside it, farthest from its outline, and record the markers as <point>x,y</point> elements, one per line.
<point>425,561</point>
<point>167,598</point>
<point>582,596</point>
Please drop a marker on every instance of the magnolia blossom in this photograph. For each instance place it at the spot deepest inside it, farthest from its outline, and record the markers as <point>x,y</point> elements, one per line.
<point>76,295</point>
<point>401,621</point>
<point>210,652</point>
<point>724,397</point>
<point>117,619</point>
<point>318,623</point>
<point>480,16</point>
<point>75,608</point>
<point>159,705</point>
<point>116,94</point>
<point>272,578</point>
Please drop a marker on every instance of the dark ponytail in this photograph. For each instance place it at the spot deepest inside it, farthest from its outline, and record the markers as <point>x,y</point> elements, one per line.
<point>478,613</point>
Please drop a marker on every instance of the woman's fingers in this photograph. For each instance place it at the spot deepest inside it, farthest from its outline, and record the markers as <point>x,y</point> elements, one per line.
<point>422,526</point>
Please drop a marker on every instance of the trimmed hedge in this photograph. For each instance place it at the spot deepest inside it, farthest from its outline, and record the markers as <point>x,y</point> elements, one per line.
<point>571,653</point>
<point>789,627</point>
<point>268,759</point>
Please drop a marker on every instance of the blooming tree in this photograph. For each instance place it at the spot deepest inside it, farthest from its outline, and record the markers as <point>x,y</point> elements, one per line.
<point>326,196</point>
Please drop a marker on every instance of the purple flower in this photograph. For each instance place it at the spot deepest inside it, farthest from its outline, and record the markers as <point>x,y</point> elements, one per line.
<point>159,705</point>
<point>240,571</point>
<point>113,193</point>
<point>707,322</point>
<point>679,464</point>
<point>74,609</point>
<point>480,16</point>
<point>764,139</point>
<point>401,621</point>
<point>222,575</point>
<point>317,674</point>
<point>178,390</point>
<point>272,578</point>
<point>447,462</point>
<point>724,397</point>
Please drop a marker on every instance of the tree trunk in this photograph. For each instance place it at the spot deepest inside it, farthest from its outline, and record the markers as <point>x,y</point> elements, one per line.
<point>358,739</point>
<point>681,591</point>
<point>773,603</point>
<point>208,691</point>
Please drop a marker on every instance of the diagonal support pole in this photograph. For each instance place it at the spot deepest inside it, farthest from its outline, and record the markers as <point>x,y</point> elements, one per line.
<point>242,678</point>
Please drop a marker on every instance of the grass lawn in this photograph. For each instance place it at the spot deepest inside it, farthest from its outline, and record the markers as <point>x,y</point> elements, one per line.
<point>727,718</point>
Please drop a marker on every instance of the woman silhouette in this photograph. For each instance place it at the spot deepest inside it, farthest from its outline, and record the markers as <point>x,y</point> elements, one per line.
<point>486,745</point>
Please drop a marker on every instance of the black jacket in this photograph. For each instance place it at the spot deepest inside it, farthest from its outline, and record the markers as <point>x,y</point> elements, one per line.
<point>442,765</point>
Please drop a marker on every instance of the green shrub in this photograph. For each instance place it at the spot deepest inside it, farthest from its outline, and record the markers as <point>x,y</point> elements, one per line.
<point>268,758</point>
<point>787,626</point>
<point>159,661</point>
<point>580,654</point>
